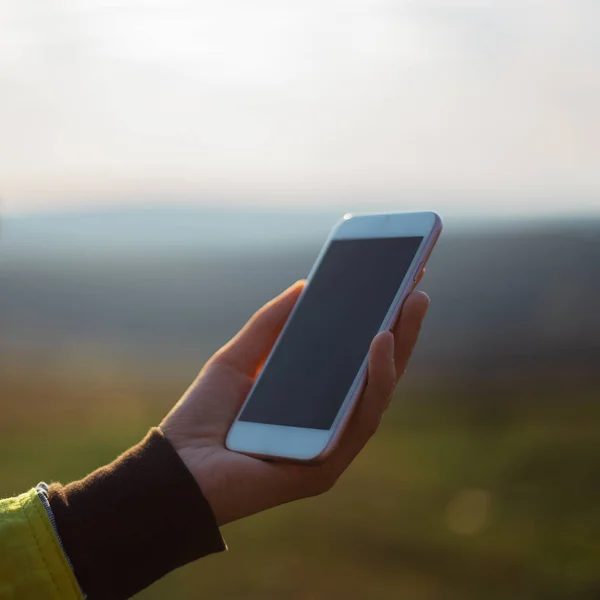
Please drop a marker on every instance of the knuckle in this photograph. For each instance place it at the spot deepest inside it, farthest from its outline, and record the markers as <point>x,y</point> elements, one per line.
<point>327,484</point>
<point>323,482</point>
<point>373,425</point>
<point>258,315</point>
<point>385,390</point>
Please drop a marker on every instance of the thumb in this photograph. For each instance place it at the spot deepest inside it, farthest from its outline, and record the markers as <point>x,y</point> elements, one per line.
<point>249,348</point>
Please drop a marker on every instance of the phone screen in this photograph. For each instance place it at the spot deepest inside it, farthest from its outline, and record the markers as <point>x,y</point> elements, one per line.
<point>328,336</point>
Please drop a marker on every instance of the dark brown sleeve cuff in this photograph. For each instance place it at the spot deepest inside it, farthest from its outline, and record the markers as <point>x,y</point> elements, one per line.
<point>131,522</point>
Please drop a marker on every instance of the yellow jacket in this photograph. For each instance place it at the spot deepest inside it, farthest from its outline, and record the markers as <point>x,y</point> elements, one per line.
<point>32,562</point>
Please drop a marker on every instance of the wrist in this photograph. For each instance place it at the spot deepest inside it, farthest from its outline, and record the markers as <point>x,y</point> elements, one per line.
<point>211,482</point>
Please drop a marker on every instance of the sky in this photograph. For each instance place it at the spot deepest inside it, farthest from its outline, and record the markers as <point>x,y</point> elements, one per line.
<point>466,105</point>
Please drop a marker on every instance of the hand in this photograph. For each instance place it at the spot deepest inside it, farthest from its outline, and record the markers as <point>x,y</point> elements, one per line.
<point>237,485</point>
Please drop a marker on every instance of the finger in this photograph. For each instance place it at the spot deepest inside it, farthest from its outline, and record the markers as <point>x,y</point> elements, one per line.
<point>248,349</point>
<point>381,379</point>
<point>381,383</point>
<point>420,276</point>
<point>408,327</point>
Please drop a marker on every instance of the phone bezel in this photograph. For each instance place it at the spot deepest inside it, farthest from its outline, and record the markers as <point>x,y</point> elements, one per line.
<point>302,444</point>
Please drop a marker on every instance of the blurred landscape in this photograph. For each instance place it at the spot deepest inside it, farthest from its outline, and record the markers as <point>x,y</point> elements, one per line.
<point>168,166</point>
<point>511,301</point>
<point>482,483</point>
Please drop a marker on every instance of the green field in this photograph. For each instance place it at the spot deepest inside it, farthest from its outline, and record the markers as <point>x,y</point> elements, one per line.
<point>483,495</point>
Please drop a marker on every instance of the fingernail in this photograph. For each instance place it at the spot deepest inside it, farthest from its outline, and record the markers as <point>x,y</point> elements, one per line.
<point>390,344</point>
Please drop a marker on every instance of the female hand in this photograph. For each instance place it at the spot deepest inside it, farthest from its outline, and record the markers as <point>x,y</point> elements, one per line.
<point>237,485</point>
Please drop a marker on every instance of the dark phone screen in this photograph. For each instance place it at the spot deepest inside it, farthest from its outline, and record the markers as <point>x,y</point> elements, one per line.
<point>328,337</point>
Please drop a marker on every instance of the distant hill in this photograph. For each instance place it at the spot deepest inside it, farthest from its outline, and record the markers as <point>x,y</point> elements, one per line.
<point>156,230</point>
<point>506,303</point>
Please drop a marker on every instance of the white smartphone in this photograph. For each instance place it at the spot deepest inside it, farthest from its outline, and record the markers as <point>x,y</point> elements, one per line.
<point>304,395</point>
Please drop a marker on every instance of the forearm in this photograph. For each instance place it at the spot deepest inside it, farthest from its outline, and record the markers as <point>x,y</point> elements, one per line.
<point>131,522</point>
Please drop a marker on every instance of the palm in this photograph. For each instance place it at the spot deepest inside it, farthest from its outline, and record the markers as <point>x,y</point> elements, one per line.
<point>204,416</point>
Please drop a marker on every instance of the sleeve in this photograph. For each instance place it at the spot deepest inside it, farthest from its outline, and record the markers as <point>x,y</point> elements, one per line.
<point>128,524</point>
<point>32,562</point>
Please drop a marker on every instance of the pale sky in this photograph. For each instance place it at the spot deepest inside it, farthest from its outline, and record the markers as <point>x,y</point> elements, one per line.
<point>488,105</point>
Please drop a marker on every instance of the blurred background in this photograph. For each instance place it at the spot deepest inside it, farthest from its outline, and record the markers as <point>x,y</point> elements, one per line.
<point>168,166</point>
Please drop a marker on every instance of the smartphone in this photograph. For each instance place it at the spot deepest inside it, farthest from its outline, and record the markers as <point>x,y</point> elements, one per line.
<point>305,394</point>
